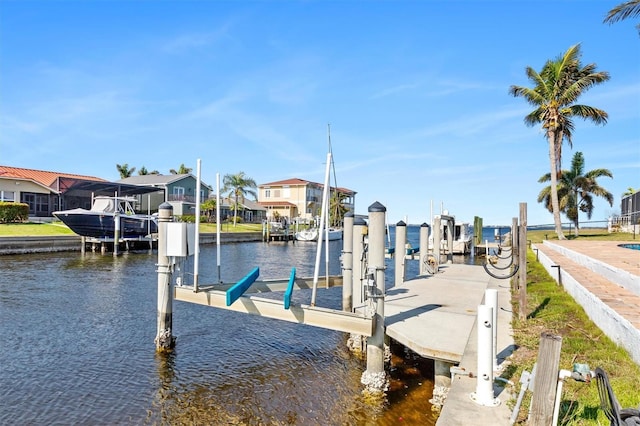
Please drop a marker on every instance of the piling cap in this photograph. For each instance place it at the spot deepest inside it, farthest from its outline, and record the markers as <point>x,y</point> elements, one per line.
<point>165,206</point>
<point>377,208</point>
<point>349,214</point>
<point>401,223</point>
<point>424,224</point>
<point>358,221</point>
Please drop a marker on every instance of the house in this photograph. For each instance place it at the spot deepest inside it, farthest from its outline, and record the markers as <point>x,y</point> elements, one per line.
<point>298,199</point>
<point>46,191</point>
<point>179,190</point>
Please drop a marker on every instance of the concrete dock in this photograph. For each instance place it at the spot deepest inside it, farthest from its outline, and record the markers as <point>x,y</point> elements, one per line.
<point>435,316</point>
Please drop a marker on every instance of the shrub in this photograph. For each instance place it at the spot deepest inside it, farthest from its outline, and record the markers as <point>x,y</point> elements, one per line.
<point>13,212</point>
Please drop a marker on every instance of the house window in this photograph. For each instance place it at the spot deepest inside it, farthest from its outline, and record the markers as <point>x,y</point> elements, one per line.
<point>178,193</point>
<point>267,193</point>
<point>276,193</point>
<point>286,191</point>
<point>7,196</point>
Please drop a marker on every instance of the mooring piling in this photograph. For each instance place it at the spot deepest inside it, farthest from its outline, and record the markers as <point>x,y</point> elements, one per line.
<point>359,232</point>
<point>375,378</point>
<point>400,254</point>
<point>424,248</point>
<point>164,339</point>
<point>347,263</point>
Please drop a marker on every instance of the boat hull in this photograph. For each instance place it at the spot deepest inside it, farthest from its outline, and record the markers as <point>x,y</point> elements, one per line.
<point>88,224</point>
<point>312,235</point>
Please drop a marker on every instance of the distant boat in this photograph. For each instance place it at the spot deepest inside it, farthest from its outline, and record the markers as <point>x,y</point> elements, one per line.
<point>461,238</point>
<point>99,222</point>
<point>311,234</point>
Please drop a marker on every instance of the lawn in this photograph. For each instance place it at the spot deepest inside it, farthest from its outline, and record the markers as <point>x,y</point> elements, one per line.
<point>551,309</point>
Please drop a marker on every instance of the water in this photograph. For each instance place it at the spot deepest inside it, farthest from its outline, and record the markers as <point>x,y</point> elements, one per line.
<point>78,334</point>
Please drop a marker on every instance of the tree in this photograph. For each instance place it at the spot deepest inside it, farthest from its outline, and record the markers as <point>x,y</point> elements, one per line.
<point>629,9</point>
<point>208,207</point>
<point>629,191</point>
<point>143,171</point>
<point>124,170</point>
<point>556,89</point>
<point>239,186</point>
<point>337,210</point>
<point>182,170</point>
<point>576,190</point>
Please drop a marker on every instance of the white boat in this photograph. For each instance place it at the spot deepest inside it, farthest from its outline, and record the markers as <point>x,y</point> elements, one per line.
<point>462,238</point>
<point>311,234</point>
<point>99,222</point>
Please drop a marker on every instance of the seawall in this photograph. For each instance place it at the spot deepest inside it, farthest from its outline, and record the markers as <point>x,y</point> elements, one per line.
<point>50,244</point>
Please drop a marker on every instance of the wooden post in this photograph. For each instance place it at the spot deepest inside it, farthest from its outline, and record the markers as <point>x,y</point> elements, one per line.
<point>164,339</point>
<point>347,263</point>
<point>522,262</point>
<point>477,232</point>
<point>424,248</point>
<point>400,255</point>
<point>374,378</point>
<point>546,380</point>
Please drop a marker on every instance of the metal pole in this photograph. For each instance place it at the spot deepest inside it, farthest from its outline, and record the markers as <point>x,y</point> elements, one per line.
<point>522,263</point>
<point>164,339</point>
<point>374,378</point>
<point>116,232</point>
<point>491,299</point>
<point>484,394</point>
<point>347,263</point>
<point>401,242</point>
<point>325,200</point>
<point>196,255</point>
<point>218,224</point>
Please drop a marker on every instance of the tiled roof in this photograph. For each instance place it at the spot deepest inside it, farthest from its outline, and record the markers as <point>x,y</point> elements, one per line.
<point>297,181</point>
<point>276,204</point>
<point>41,176</point>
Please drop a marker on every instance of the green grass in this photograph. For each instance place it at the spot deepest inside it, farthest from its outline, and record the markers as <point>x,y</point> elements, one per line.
<point>585,234</point>
<point>58,228</point>
<point>551,309</point>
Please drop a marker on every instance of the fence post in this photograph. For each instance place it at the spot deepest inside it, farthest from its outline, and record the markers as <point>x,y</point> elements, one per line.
<point>546,380</point>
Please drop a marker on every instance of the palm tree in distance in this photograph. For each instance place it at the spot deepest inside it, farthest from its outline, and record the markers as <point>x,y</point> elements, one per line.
<point>143,172</point>
<point>124,170</point>
<point>629,9</point>
<point>182,170</point>
<point>239,186</point>
<point>576,190</point>
<point>556,89</point>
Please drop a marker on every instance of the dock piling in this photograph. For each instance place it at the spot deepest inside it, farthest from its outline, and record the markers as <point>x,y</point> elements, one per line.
<point>484,394</point>
<point>375,377</point>
<point>347,263</point>
<point>424,248</point>
<point>164,339</point>
<point>400,257</point>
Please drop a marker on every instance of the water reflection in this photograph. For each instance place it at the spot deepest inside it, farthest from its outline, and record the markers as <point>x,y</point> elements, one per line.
<point>79,349</point>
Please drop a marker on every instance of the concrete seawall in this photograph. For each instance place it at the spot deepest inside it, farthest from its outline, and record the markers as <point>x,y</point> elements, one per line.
<point>50,244</point>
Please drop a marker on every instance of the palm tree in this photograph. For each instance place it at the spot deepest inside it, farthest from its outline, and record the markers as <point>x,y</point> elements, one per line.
<point>182,170</point>
<point>556,89</point>
<point>124,170</point>
<point>239,186</point>
<point>623,11</point>
<point>337,210</point>
<point>576,190</point>
<point>629,191</point>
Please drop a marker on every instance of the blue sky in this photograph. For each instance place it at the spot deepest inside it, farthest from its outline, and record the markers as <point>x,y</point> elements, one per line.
<point>415,92</point>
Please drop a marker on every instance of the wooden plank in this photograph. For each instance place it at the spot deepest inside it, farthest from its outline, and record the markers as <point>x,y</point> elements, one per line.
<point>289,292</point>
<point>545,380</point>
<point>241,286</point>
<point>331,319</point>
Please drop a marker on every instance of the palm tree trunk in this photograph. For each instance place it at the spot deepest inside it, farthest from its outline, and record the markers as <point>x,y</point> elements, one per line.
<point>554,184</point>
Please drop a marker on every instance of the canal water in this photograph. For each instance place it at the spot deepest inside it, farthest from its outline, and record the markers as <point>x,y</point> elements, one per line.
<point>78,348</point>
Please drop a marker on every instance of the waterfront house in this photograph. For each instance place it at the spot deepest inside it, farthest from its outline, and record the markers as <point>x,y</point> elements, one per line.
<point>298,199</point>
<point>179,190</point>
<point>47,191</point>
